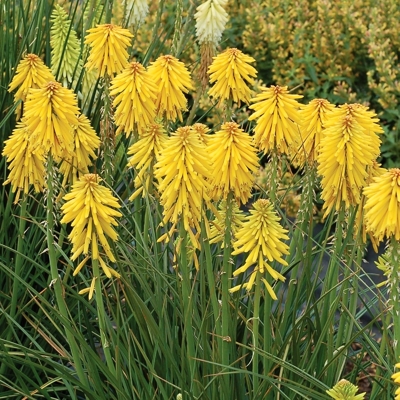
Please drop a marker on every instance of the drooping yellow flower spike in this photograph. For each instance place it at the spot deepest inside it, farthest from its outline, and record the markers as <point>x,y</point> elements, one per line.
<point>232,73</point>
<point>26,165</point>
<point>348,147</point>
<point>144,155</point>
<point>234,161</point>
<point>66,48</point>
<point>396,378</point>
<point>344,390</point>
<point>382,207</point>
<point>90,208</point>
<point>85,143</point>
<point>135,94</point>
<point>183,170</point>
<point>108,53</point>
<point>51,111</point>
<point>313,118</point>
<point>173,80</point>
<point>261,236</point>
<point>31,73</point>
<point>278,119</point>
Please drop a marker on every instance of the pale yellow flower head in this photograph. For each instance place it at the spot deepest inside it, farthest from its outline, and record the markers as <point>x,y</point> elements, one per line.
<point>261,235</point>
<point>313,118</point>
<point>91,208</point>
<point>172,80</point>
<point>31,73</point>
<point>25,164</point>
<point>211,19</point>
<point>234,161</point>
<point>183,170</point>
<point>348,147</point>
<point>144,154</point>
<point>232,74</point>
<point>51,112</point>
<point>108,54</point>
<point>396,379</point>
<point>136,11</point>
<point>86,142</point>
<point>278,119</point>
<point>344,390</point>
<point>135,95</point>
<point>382,207</point>
<point>66,50</point>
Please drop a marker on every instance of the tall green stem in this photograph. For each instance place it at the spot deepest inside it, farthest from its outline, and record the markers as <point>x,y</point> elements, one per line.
<point>394,295</point>
<point>55,278</point>
<point>188,309</point>
<point>102,317</point>
<point>226,274</point>
<point>256,324</point>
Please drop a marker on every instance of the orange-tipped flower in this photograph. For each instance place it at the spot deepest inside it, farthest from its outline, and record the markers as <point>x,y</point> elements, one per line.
<point>313,118</point>
<point>135,94</point>
<point>50,113</point>
<point>31,73</point>
<point>26,165</point>
<point>90,208</point>
<point>234,162</point>
<point>278,119</point>
<point>232,73</point>
<point>173,80</point>
<point>382,207</point>
<point>348,147</point>
<point>85,143</point>
<point>261,236</point>
<point>108,53</point>
<point>182,170</point>
<point>144,154</point>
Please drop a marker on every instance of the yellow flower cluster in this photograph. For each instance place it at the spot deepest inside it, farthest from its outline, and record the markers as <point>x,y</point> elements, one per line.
<point>278,119</point>
<point>91,209</point>
<point>135,94</point>
<point>262,237</point>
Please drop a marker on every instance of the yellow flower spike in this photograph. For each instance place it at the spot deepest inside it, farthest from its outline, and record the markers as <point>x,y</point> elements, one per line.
<point>349,146</point>
<point>108,54</point>
<point>173,80</point>
<point>313,118</point>
<point>344,390</point>
<point>183,169</point>
<point>278,119</point>
<point>51,112</point>
<point>66,48</point>
<point>26,165</point>
<point>261,236</point>
<point>85,143</point>
<point>91,209</point>
<point>144,155</point>
<point>90,290</point>
<point>235,162</point>
<point>135,95</point>
<point>382,207</point>
<point>31,73</point>
<point>232,74</point>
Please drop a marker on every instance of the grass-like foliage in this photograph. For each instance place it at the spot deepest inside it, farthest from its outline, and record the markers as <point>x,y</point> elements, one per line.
<point>189,192</point>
